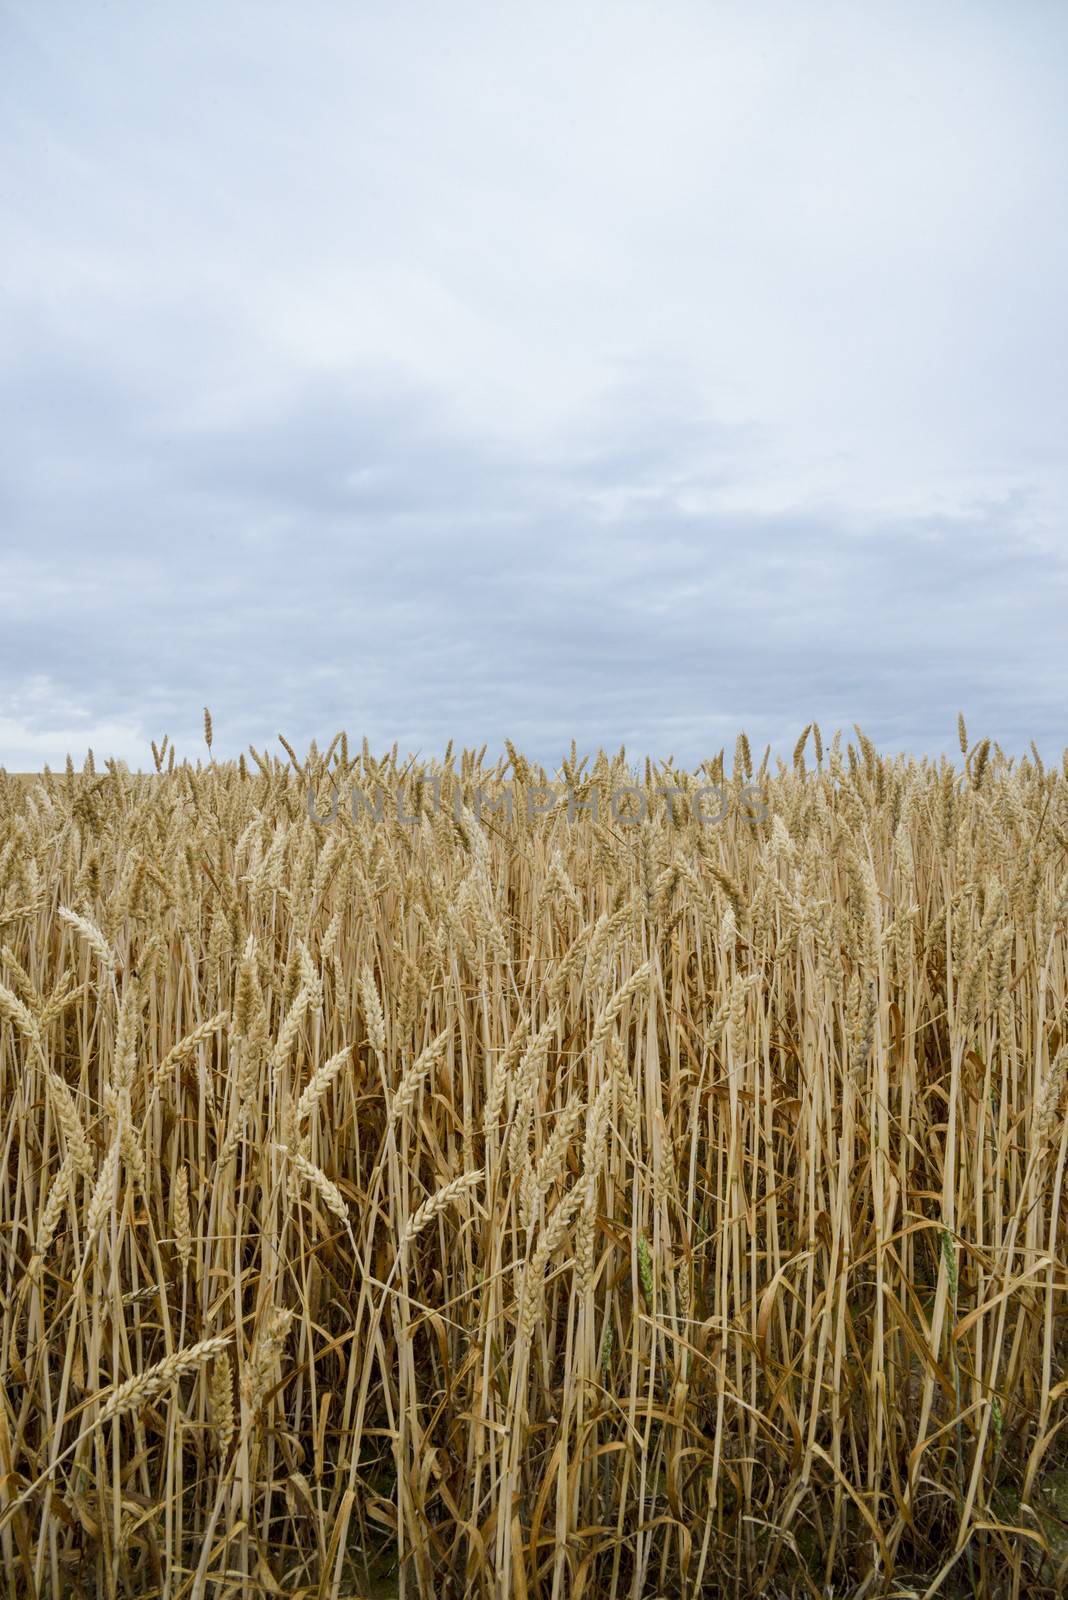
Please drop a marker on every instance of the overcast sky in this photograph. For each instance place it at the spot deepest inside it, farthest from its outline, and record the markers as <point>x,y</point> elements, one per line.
<point>626,372</point>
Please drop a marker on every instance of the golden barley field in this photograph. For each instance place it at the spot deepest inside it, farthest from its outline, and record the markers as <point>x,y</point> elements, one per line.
<point>436,1201</point>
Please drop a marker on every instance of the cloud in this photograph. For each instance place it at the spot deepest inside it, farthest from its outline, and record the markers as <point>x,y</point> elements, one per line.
<point>635,378</point>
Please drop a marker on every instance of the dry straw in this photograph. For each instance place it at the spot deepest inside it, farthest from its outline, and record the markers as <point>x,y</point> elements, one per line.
<point>543,1207</point>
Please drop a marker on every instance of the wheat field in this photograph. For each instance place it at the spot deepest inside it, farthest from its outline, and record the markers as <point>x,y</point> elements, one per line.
<point>434,1203</point>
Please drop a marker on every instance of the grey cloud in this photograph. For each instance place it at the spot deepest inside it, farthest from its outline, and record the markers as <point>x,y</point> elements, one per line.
<point>494,601</point>
<point>469,403</point>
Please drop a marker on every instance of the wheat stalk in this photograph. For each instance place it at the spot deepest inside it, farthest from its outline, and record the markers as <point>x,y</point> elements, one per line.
<point>92,936</point>
<point>438,1202</point>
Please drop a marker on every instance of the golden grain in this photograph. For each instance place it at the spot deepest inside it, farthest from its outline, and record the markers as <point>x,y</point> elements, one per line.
<point>753,1278</point>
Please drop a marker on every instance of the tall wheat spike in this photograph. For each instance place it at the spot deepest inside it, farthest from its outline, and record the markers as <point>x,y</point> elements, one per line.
<point>526,1202</point>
